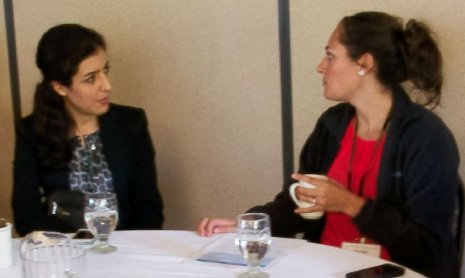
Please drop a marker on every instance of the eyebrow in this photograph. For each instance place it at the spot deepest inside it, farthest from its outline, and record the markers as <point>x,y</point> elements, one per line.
<point>107,65</point>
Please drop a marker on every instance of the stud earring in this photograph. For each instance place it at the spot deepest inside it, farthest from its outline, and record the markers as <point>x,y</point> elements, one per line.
<point>361,72</point>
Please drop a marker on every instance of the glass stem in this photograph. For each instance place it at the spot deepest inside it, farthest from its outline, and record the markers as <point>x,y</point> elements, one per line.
<point>253,269</point>
<point>102,241</point>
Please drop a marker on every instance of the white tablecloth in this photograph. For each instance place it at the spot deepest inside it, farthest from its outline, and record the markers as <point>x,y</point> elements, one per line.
<point>174,254</point>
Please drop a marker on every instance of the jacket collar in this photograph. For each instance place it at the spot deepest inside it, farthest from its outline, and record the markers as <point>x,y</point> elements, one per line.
<point>400,106</point>
<point>110,132</point>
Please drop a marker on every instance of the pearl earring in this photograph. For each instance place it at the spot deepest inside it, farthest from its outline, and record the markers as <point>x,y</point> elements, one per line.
<point>361,72</point>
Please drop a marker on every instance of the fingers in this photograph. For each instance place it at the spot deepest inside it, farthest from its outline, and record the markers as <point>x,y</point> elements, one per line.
<point>210,226</point>
<point>314,179</point>
<point>201,230</point>
<point>307,194</point>
<point>224,229</point>
<point>299,177</point>
<point>314,208</point>
<point>335,183</point>
<point>312,199</point>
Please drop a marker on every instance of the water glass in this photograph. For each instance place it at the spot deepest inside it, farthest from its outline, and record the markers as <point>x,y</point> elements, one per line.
<point>101,217</point>
<point>253,239</point>
<point>51,254</point>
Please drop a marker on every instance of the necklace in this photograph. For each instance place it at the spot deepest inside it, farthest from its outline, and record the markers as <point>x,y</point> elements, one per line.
<point>83,139</point>
<point>381,134</point>
<point>87,127</point>
<point>87,162</point>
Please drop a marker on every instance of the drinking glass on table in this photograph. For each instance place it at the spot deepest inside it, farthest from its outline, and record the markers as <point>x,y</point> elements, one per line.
<point>253,239</point>
<point>51,254</point>
<point>101,216</point>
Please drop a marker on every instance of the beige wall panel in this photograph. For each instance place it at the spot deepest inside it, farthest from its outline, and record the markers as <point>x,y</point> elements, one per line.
<point>313,21</point>
<point>6,124</point>
<point>207,73</point>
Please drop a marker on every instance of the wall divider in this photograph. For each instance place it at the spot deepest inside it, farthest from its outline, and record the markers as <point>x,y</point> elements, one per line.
<point>12,59</point>
<point>286,89</point>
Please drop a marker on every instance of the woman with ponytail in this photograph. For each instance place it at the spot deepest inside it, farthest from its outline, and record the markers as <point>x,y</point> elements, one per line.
<point>392,163</point>
<point>75,140</point>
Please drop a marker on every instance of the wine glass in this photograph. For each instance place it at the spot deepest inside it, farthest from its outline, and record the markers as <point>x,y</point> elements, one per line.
<point>253,239</point>
<point>101,216</point>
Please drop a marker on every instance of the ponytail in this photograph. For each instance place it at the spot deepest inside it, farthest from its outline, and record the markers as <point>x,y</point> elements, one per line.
<point>423,62</point>
<point>51,126</point>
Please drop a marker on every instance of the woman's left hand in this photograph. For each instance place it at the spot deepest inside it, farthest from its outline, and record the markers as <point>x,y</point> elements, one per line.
<point>328,195</point>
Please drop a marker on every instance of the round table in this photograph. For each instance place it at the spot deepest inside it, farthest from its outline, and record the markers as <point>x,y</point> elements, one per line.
<point>174,254</point>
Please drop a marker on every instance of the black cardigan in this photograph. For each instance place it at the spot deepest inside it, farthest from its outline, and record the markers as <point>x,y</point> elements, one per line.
<point>413,213</point>
<point>131,158</point>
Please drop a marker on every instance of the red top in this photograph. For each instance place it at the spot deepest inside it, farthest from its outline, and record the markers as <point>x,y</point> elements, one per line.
<point>366,158</point>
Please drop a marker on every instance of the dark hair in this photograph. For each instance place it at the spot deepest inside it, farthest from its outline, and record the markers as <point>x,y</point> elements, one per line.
<point>401,55</point>
<point>59,52</point>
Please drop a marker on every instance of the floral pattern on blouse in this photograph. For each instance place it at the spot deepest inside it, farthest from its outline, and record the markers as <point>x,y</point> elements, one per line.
<point>89,171</point>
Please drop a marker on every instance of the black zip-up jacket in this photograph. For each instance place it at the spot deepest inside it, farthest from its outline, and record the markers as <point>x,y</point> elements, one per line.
<point>413,213</point>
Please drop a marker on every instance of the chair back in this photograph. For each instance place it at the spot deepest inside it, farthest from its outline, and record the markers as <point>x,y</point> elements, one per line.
<point>460,228</point>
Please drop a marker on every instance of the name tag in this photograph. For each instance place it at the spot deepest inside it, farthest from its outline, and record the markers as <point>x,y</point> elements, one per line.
<point>364,248</point>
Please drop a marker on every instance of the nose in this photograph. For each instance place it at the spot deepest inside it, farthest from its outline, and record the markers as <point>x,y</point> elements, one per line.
<point>106,84</point>
<point>321,66</point>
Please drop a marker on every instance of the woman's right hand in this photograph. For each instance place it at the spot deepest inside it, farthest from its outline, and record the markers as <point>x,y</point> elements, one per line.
<point>327,196</point>
<point>211,226</point>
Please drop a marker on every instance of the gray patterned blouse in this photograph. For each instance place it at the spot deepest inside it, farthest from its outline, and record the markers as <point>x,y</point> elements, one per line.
<point>89,170</point>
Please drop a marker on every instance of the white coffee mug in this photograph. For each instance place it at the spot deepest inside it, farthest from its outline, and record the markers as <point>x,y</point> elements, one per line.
<point>6,254</point>
<point>301,204</point>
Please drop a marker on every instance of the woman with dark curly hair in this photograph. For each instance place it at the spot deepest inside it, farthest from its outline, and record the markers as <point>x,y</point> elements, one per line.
<point>392,164</point>
<point>75,140</point>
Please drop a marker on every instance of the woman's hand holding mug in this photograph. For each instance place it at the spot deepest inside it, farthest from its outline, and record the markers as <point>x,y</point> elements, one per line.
<point>325,195</point>
<point>303,204</point>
